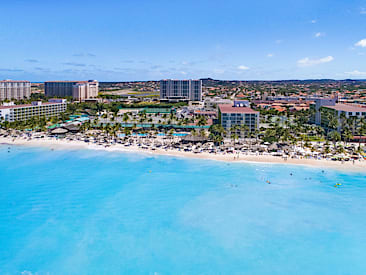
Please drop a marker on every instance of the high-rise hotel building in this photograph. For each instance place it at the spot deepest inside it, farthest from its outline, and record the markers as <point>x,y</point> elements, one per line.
<point>12,89</point>
<point>181,90</point>
<point>79,90</point>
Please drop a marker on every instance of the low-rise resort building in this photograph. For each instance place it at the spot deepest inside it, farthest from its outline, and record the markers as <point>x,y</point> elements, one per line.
<point>324,110</point>
<point>238,119</point>
<point>11,112</point>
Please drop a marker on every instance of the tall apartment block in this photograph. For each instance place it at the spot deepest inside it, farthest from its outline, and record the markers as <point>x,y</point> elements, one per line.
<point>11,89</point>
<point>181,90</point>
<point>79,90</point>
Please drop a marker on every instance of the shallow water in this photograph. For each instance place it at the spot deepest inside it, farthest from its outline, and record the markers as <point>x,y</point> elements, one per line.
<point>96,212</point>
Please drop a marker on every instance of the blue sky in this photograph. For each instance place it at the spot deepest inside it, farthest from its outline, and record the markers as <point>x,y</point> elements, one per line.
<point>125,40</point>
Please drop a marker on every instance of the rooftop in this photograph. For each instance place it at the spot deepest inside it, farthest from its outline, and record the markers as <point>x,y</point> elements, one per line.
<point>180,79</point>
<point>71,81</point>
<point>9,81</point>
<point>228,108</point>
<point>347,108</point>
<point>28,105</point>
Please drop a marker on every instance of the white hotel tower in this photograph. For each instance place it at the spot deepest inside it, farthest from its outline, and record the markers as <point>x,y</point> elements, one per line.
<point>14,89</point>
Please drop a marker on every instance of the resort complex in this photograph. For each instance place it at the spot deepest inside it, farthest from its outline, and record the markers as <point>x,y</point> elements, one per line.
<point>183,137</point>
<point>200,116</point>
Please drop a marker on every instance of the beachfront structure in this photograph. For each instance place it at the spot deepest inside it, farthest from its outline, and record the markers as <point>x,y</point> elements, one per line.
<point>238,117</point>
<point>79,90</point>
<point>37,109</point>
<point>14,89</point>
<point>323,110</point>
<point>181,90</point>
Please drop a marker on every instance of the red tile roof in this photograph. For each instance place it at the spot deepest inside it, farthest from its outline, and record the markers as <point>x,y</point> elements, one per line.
<point>228,108</point>
<point>205,112</point>
<point>347,108</point>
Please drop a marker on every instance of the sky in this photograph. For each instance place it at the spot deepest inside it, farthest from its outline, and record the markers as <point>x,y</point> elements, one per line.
<point>132,40</point>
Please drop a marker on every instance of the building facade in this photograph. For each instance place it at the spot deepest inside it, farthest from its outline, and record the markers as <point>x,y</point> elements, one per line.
<point>181,90</point>
<point>79,90</point>
<point>323,110</point>
<point>37,109</point>
<point>211,103</point>
<point>238,117</point>
<point>10,89</point>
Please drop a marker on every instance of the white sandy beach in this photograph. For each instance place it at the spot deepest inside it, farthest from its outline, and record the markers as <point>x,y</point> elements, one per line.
<point>61,144</point>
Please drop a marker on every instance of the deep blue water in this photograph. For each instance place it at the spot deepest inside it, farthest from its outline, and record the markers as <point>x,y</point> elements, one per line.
<point>95,212</point>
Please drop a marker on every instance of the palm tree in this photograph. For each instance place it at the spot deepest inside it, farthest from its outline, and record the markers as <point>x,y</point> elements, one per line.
<point>201,121</point>
<point>244,129</point>
<point>334,136</point>
<point>343,119</point>
<point>347,135</point>
<point>333,123</point>
<point>125,118</point>
<point>351,121</point>
<point>234,136</point>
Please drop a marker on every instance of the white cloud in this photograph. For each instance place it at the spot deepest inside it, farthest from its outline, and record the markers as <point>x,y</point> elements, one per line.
<point>356,73</point>
<point>313,21</point>
<point>278,41</point>
<point>361,43</point>
<point>307,62</point>
<point>183,72</point>
<point>270,55</point>
<point>243,68</point>
<point>319,34</point>
<point>363,11</point>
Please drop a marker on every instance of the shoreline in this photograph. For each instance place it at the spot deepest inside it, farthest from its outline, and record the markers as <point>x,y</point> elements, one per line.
<point>358,166</point>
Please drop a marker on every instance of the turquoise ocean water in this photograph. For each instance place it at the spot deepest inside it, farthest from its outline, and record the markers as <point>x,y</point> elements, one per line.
<point>95,212</point>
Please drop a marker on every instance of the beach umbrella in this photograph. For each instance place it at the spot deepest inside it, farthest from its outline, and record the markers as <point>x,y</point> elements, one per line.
<point>59,131</point>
